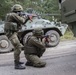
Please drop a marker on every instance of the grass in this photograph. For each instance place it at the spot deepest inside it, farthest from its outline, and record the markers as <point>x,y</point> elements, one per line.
<point>68,36</point>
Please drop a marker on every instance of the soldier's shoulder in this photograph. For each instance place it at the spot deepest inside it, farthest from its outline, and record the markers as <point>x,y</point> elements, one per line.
<point>11,14</point>
<point>33,39</point>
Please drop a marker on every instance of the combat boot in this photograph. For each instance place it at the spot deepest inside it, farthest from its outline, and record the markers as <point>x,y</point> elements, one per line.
<point>18,66</point>
<point>28,63</point>
<point>21,62</point>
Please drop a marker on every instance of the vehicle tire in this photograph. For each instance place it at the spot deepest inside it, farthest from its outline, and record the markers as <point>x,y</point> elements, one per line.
<point>5,44</point>
<point>26,36</point>
<point>54,38</point>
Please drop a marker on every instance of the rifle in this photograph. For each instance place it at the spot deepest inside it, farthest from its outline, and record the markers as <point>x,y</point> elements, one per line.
<point>46,38</point>
<point>27,15</point>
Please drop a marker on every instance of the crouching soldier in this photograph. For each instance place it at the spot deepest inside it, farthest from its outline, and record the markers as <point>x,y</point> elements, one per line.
<point>34,49</point>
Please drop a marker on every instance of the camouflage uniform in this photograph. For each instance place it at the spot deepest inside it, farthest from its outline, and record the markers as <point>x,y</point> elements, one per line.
<point>13,23</point>
<point>34,49</point>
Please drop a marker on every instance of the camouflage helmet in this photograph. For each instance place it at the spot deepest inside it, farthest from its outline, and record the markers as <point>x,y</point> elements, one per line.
<point>38,32</point>
<point>17,7</point>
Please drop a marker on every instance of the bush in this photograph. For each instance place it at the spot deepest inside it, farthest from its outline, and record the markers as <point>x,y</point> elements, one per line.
<point>68,36</point>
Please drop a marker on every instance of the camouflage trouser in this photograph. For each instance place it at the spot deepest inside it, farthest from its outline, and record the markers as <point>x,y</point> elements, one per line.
<point>35,60</point>
<point>17,46</point>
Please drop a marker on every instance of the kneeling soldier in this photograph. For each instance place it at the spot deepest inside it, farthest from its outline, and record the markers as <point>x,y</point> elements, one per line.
<point>34,49</point>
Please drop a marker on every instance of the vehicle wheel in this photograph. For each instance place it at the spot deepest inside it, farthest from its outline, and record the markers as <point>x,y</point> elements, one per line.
<point>26,36</point>
<point>54,38</point>
<point>5,44</point>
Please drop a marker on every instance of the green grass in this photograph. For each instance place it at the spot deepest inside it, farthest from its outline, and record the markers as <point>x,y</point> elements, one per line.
<point>68,36</point>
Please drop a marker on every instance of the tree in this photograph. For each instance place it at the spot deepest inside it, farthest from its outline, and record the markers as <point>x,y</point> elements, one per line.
<point>41,6</point>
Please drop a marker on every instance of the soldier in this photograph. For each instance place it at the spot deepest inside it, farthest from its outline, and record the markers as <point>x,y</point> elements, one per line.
<point>34,49</point>
<point>13,23</point>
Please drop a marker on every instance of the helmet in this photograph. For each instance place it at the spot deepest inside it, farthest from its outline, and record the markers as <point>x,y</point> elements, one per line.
<point>17,7</point>
<point>38,32</point>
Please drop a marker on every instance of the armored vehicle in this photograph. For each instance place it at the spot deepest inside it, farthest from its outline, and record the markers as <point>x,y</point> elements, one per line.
<point>54,29</point>
<point>68,12</point>
<point>5,44</point>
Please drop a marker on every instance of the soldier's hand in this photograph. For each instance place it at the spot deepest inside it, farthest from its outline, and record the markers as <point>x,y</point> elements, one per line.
<point>43,40</point>
<point>24,16</point>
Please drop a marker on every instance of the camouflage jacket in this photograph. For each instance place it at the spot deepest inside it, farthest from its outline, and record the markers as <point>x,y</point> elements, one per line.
<point>34,46</point>
<point>13,23</point>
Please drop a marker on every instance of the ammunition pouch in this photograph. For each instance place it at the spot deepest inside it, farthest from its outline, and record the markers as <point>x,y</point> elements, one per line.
<point>10,26</point>
<point>29,50</point>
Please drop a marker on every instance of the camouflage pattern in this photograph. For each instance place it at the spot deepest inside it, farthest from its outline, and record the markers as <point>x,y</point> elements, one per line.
<point>17,46</point>
<point>14,21</point>
<point>35,60</point>
<point>38,32</point>
<point>17,7</point>
<point>34,49</point>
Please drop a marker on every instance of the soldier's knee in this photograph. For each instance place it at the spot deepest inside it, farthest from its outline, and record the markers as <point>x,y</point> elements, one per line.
<point>41,64</point>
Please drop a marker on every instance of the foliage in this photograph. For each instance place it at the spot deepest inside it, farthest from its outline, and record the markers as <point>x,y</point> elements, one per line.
<point>68,35</point>
<point>41,6</point>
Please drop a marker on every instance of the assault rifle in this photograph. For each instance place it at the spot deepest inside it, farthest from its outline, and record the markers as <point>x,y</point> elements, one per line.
<point>46,38</point>
<point>28,16</point>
